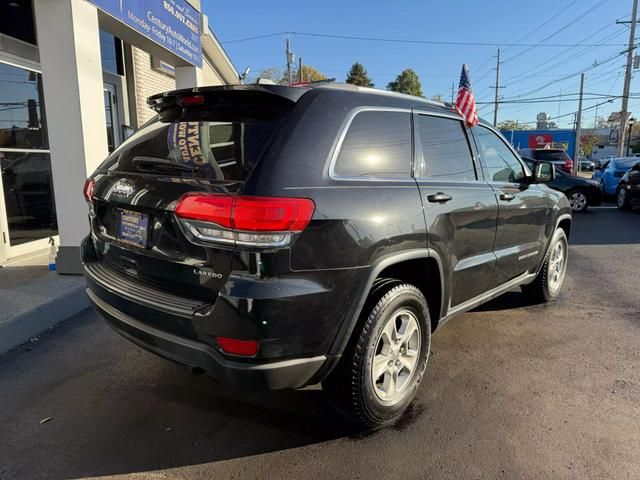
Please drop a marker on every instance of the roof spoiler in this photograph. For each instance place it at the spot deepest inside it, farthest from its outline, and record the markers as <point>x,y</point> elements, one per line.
<point>212,96</point>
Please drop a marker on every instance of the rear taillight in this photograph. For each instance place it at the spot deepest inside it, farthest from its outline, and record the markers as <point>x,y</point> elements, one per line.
<point>88,189</point>
<point>244,220</point>
<point>233,346</point>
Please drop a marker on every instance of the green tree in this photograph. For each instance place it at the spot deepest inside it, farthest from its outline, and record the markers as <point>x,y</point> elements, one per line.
<point>407,82</point>
<point>309,74</point>
<point>358,76</point>
<point>512,125</point>
<point>588,142</point>
<point>275,74</point>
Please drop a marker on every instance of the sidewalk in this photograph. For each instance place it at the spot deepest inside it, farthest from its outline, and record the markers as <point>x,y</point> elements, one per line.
<point>32,299</point>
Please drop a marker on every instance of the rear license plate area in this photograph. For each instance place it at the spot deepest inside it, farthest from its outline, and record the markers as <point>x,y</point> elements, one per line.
<point>133,228</point>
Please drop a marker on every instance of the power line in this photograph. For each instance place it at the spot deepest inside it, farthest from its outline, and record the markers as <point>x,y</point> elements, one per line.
<point>541,43</point>
<point>411,41</point>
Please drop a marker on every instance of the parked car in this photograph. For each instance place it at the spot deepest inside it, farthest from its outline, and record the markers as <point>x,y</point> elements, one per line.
<point>276,237</point>
<point>559,157</point>
<point>628,192</point>
<point>586,164</point>
<point>581,192</point>
<point>611,172</point>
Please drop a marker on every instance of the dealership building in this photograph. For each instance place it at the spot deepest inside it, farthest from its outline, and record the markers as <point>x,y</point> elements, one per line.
<point>74,79</point>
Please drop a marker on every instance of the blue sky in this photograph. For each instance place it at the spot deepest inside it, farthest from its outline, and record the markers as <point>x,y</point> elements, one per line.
<point>526,72</point>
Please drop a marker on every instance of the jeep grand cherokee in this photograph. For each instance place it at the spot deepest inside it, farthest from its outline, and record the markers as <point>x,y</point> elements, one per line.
<point>277,237</point>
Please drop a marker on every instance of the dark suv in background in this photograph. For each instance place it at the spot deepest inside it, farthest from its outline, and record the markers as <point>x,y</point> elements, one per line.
<point>276,237</point>
<point>628,189</point>
<point>559,157</point>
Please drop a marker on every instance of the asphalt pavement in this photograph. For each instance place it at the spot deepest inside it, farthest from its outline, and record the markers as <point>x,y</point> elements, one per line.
<point>512,391</point>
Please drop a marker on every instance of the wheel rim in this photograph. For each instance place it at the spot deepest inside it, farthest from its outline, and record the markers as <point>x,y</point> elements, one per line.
<point>395,360</point>
<point>578,201</point>
<point>622,196</point>
<point>557,265</point>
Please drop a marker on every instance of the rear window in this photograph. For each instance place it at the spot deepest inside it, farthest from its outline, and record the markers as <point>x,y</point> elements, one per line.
<point>216,150</point>
<point>550,155</point>
<point>621,164</point>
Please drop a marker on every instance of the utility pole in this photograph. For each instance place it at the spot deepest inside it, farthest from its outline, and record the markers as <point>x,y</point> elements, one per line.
<point>300,77</point>
<point>453,89</point>
<point>576,153</point>
<point>497,87</point>
<point>627,80</point>
<point>289,55</point>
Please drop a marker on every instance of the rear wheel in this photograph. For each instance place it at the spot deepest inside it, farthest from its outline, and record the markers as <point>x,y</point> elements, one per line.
<point>578,200</point>
<point>622,199</point>
<point>381,369</point>
<point>548,283</point>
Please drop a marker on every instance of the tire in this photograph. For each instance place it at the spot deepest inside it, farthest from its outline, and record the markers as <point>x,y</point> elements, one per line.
<point>622,199</point>
<point>579,200</point>
<point>548,283</point>
<point>396,309</point>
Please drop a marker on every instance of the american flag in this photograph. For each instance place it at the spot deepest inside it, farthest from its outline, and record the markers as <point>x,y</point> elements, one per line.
<point>466,102</point>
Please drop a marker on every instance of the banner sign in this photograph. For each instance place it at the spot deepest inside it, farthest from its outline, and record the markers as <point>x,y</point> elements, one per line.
<point>173,24</point>
<point>539,140</point>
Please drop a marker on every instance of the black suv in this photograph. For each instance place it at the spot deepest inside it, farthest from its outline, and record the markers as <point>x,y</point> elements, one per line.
<point>628,190</point>
<point>276,237</point>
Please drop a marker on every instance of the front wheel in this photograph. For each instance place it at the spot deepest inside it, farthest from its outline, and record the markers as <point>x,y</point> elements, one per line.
<point>548,282</point>
<point>382,367</point>
<point>578,201</point>
<point>622,199</point>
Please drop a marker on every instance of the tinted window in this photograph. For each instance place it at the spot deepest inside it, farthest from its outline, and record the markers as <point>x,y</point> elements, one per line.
<point>445,150</point>
<point>377,144</point>
<point>16,20</point>
<point>218,150</point>
<point>499,164</point>
<point>550,155</point>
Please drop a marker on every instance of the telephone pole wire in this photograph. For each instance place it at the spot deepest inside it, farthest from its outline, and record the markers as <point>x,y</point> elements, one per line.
<point>576,153</point>
<point>622,134</point>
<point>497,87</point>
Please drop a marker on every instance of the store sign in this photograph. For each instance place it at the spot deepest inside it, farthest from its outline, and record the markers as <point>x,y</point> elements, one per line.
<point>539,141</point>
<point>173,24</point>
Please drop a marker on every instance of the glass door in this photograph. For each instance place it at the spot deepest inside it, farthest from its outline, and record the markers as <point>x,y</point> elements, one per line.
<point>27,204</point>
<point>111,116</point>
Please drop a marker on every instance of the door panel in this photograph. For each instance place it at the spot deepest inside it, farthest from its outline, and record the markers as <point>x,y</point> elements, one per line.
<point>523,208</point>
<point>460,211</point>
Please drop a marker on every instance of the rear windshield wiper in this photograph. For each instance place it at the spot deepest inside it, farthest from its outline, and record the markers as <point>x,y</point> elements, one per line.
<point>153,163</point>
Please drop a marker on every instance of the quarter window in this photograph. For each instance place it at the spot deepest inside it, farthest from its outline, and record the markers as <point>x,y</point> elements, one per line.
<point>498,161</point>
<point>445,150</point>
<point>377,144</point>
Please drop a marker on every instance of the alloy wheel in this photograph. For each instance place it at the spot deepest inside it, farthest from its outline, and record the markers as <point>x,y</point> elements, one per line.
<point>578,201</point>
<point>622,197</point>
<point>395,360</point>
<point>557,265</point>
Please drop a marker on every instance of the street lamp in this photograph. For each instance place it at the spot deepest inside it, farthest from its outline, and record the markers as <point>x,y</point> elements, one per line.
<point>631,122</point>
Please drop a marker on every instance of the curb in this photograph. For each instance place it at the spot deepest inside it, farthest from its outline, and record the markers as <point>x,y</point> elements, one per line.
<point>33,322</point>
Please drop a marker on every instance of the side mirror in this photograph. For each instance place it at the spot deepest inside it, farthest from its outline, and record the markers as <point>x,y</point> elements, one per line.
<point>544,172</point>
<point>636,167</point>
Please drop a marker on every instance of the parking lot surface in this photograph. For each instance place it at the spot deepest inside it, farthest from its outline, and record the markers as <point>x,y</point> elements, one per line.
<point>512,391</point>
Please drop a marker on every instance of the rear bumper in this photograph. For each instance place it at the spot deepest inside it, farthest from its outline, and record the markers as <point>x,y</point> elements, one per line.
<point>275,375</point>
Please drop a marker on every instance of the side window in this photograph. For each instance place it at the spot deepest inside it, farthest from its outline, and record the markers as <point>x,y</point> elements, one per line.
<point>499,164</point>
<point>445,150</point>
<point>377,144</point>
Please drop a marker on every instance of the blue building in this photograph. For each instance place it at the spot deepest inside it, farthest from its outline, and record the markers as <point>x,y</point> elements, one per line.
<point>557,138</point>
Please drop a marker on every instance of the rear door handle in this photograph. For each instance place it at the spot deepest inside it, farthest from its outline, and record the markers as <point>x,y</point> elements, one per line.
<point>507,196</point>
<point>439,198</point>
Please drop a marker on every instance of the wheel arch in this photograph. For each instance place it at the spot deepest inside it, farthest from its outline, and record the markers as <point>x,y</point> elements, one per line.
<point>421,267</point>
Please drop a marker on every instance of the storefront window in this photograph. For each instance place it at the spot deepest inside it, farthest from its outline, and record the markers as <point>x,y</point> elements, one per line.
<point>111,53</point>
<point>22,122</point>
<point>25,163</point>
<point>16,20</point>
